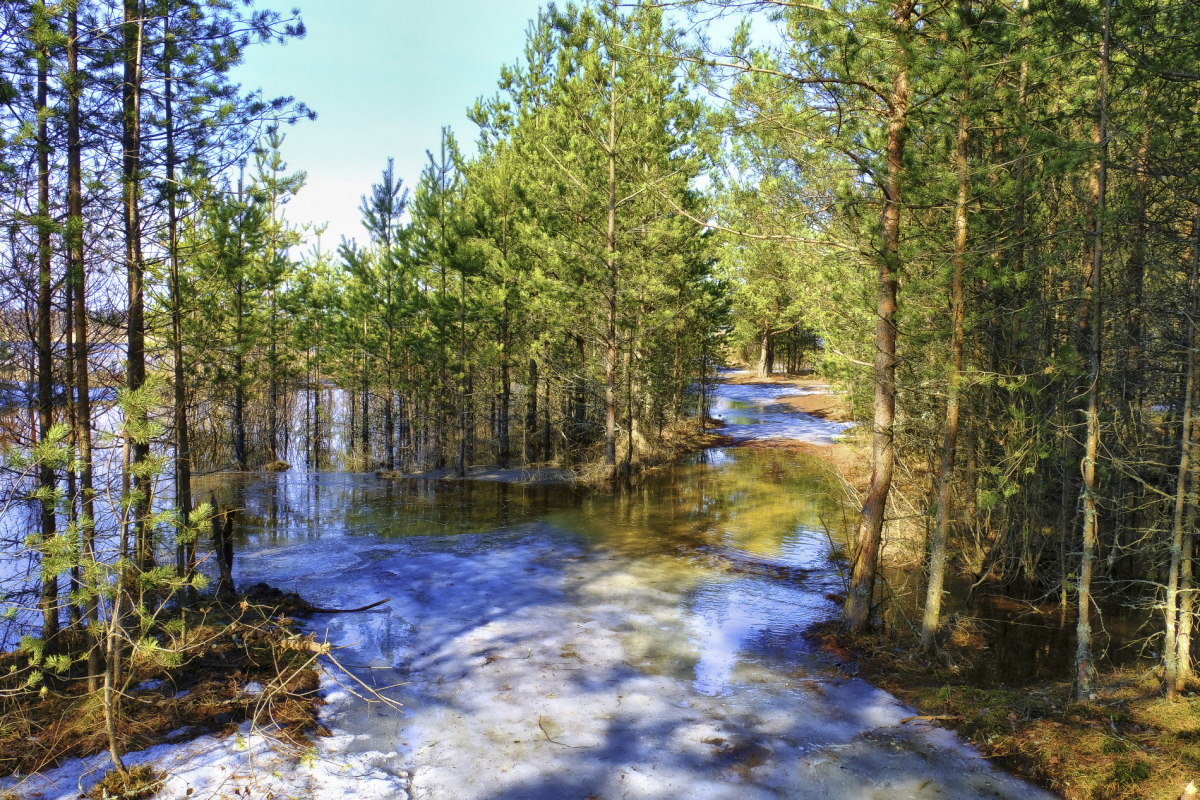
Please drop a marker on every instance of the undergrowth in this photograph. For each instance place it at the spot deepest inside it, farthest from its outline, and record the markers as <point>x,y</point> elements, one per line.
<point>219,650</point>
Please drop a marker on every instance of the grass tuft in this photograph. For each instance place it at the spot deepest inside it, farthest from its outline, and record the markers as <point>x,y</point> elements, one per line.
<point>139,783</point>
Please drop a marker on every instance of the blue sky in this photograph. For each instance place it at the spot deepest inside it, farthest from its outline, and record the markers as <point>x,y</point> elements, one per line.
<point>384,76</point>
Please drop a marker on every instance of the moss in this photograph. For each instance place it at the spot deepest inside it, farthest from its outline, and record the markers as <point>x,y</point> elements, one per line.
<point>1121,779</point>
<point>1114,746</point>
<point>1188,735</point>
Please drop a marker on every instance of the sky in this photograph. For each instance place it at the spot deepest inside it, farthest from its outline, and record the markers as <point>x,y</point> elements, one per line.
<point>384,76</point>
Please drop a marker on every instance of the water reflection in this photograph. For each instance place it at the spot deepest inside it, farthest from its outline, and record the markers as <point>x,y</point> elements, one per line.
<point>717,533</point>
<point>570,644</point>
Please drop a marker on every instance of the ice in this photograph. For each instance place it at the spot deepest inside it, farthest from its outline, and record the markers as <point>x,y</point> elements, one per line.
<point>533,667</point>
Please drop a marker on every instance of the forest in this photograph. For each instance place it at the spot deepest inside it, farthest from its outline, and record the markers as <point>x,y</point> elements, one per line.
<point>977,220</point>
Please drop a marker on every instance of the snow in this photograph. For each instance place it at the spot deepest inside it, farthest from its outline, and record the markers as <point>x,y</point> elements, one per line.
<point>245,764</point>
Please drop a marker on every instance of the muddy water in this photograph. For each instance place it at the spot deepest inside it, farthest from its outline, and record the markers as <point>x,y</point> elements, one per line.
<point>547,643</point>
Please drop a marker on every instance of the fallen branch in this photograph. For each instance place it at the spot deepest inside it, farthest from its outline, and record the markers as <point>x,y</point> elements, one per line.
<point>290,602</point>
<point>930,718</point>
<point>318,610</point>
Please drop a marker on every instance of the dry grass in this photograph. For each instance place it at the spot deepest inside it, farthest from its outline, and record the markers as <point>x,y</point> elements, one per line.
<point>222,649</point>
<point>141,782</point>
<point>1129,743</point>
<point>676,442</point>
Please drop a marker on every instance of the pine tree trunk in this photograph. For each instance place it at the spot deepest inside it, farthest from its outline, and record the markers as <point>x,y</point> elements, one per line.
<point>1172,649</point>
<point>579,403</point>
<point>240,455</point>
<point>45,352</point>
<point>74,615</point>
<point>547,436</point>
<point>531,415</point>
<point>610,256</point>
<point>1184,671</point>
<point>1084,668</point>
<point>765,356</point>
<point>364,429</point>
<point>83,400</point>
<point>857,610</point>
<point>185,554</point>
<point>318,394</point>
<point>505,388</point>
<point>273,399</point>
<point>937,550</point>
<point>135,377</point>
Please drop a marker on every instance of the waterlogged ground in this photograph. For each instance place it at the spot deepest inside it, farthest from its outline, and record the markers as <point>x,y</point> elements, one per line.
<point>752,412</point>
<point>560,646</point>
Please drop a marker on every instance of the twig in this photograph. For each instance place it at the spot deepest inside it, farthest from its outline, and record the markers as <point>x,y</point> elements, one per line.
<point>556,741</point>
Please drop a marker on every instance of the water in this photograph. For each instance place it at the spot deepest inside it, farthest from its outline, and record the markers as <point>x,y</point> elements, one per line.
<point>751,412</point>
<point>549,643</point>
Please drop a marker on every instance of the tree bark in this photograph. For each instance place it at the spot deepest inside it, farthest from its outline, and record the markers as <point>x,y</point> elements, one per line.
<point>531,415</point>
<point>765,357</point>
<point>45,353</point>
<point>77,274</point>
<point>185,552</point>
<point>1093,289</point>
<point>1173,653</point>
<point>610,262</point>
<point>135,377</point>
<point>364,429</point>
<point>857,609</point>
<point>240,456</point>
<point>505,386</point>
<point>937,550</point>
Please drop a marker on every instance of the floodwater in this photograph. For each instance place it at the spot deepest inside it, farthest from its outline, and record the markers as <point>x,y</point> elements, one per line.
<point>548,644</point>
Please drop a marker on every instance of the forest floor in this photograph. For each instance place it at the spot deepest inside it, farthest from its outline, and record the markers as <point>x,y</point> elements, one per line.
<point>237,667</point>
<point>1128,743</point>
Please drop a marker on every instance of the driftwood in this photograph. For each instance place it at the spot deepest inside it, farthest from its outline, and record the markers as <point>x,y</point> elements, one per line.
<point>294,604</point>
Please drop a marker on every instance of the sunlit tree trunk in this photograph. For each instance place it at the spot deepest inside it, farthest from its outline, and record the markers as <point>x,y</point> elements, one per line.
<point>1173,653</point>
<point>77,275</point>
<point>131,166</point>
<point>185,553</point>
<point>765,356</point>
<point>857,610</point>
<point>610,262</point>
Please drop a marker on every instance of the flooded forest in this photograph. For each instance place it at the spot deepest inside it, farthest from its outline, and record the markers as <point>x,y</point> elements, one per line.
<point>755,399</point>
